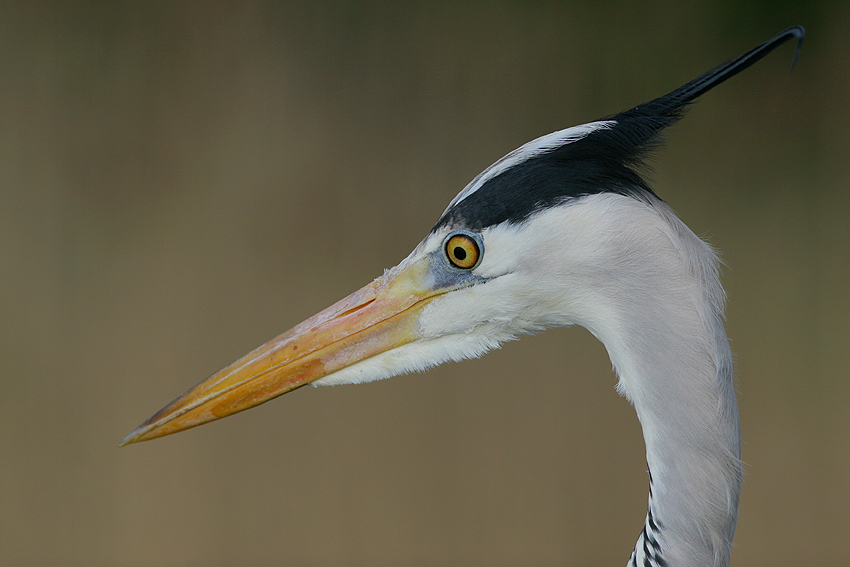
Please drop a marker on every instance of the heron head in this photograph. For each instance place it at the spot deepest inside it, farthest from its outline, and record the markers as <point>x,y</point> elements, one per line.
<point>528,244</point>
<point>459,294</point>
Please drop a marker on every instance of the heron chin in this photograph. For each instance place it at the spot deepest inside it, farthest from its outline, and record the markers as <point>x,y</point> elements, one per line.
<point>562,231</point>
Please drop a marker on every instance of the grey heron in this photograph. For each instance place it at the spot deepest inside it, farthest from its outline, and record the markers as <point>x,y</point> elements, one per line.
<point>562,231</point>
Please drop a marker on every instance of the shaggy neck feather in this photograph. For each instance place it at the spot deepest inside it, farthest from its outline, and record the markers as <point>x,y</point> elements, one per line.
<point>674,364</point>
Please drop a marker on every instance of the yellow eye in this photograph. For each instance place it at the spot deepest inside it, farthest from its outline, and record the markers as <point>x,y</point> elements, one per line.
<point>463,251</point>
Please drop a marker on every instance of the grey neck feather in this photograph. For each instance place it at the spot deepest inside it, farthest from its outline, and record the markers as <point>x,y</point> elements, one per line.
<point>674,362</point>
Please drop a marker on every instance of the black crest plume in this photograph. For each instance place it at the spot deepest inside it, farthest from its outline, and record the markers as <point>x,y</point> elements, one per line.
<point>644,122</point>
<point>604,160</point>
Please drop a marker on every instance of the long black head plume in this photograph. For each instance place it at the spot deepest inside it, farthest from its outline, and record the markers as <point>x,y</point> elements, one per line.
<point>602,156</point>
<point>647,120</point>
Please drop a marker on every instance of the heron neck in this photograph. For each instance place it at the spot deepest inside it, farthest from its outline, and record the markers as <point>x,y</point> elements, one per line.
<point>674,364</point>
<point>691,431</point>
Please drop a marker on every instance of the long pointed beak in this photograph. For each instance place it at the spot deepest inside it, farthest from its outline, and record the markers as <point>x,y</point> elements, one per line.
<point>381,316</point>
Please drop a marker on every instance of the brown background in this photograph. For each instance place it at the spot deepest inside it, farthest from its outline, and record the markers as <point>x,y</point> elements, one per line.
<point>179,183</point>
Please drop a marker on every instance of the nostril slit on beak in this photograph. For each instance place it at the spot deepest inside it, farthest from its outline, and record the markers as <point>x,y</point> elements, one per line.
<point>355,308</point>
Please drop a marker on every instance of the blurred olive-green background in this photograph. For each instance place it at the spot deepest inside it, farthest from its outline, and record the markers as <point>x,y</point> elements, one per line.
<point>181,182</point>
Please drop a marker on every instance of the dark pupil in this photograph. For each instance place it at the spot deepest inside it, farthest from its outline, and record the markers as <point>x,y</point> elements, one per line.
<point>460,253</point>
